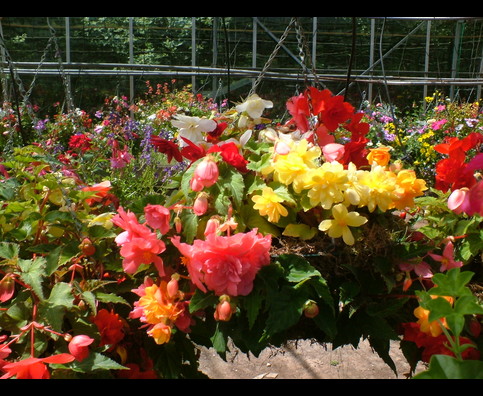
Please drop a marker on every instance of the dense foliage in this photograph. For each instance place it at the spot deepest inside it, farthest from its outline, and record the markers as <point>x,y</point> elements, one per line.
<point>132,236</point>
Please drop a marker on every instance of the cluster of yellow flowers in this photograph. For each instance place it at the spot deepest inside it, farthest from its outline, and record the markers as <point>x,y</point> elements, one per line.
<point>336,187</point>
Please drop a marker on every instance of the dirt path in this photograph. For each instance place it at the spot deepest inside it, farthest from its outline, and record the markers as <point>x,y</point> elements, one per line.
<point>305,360</point>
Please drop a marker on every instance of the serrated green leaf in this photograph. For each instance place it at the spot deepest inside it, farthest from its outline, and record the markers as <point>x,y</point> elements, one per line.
<point>110,298</point>
<point>297,268</point>
<point>302,231</point>
<point>448,367</point>
<point>32,273</point>
<point>95,361</point>
<point>452,283</point>
<point>9,250</point>
<point>202,300</point>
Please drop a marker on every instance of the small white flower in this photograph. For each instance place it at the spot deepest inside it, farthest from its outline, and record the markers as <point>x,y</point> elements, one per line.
<point>254,106</point>
<point>192,128</point>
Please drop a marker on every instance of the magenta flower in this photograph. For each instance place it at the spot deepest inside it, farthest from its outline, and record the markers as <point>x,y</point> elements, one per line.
<point>447,259</point>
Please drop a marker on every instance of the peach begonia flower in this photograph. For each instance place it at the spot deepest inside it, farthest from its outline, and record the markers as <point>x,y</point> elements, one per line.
<point>434,327</point>
<point>78,346</point>
<point>380,155</point>
<point>447,259</point>
<point>339,226</point>
<point>34,368</point>
<point>226,264</point>
<point>268,204</point>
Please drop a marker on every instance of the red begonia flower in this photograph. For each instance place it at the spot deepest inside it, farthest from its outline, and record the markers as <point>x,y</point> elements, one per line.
<point>34,368</point>
<point>167,147</point>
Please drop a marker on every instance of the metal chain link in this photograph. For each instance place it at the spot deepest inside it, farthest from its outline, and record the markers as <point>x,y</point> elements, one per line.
<point>272,56</point>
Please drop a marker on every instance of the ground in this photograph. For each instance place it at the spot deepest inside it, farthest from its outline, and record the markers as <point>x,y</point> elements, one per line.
<point>305,360</point>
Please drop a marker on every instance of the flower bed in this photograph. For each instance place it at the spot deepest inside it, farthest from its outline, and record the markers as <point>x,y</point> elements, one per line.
<point>132,237</point>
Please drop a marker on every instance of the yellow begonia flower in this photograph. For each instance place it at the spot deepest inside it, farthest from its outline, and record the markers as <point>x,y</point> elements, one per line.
<point>268,204</point>
<point>326,184</point>
<point>104,220</point>
<point>301,158</point>
<point>382,188</point>
<point>379,155</point>
<point>339,226</point>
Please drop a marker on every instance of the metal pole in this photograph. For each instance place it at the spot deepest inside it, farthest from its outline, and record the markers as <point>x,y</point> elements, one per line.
<point>478,89</point>
<point>454,65</point>
<point>314,42</point>
<point>371,57</point>
<point>4,60</point>
<point>67,50</point>
<point>131,58</point>
<point>254,45</point>
<point>426,60</point>
<point>215,51</point>
<point>193,51</point>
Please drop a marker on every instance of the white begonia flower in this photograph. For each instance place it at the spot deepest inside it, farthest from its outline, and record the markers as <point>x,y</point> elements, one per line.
<point>192,128</point>
<point>254,106</point>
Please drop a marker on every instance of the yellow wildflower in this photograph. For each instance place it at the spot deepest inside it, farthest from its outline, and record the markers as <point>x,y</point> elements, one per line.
<point>339,226</point>
<point>268,204</point>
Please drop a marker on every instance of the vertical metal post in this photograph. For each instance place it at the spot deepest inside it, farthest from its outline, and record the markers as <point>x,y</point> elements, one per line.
<point>426,61</point>
<point>3,75</point>
<point>215,52</point>
<point>454,65</point>
<point>67,53</point>
<point>254,45</point>
<point>314,43</point>
<point>193,52</point>
<point>478,89</point>
<point>131,58</point>
<point>371,57</point>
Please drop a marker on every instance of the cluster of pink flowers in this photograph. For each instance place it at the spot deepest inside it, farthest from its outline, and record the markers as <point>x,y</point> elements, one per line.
<point>139,243</point>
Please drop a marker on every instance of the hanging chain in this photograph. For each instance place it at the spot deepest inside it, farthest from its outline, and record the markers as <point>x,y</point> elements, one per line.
<point>303,52</point>
<point>68,97</point>
<point>272,56</point>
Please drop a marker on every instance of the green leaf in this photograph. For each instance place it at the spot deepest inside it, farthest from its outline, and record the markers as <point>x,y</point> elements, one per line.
<point>302,231</point>
<point>453,283</point>
<point>59,302</point>
<point>235,185</point>
<point>253,303</point>
<point>32,273</point>
<point>219,340</point>
<point>297,268</point>
<point>110,298</point>
<point>448,367</point>
<point>95,361</point>
<point>202,300</point>
<point>9,250</point>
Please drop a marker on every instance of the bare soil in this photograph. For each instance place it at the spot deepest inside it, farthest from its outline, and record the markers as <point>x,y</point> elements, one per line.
<point>304,359</point>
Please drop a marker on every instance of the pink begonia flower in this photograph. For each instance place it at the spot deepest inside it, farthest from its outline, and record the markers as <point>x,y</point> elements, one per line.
<point>226,264</point>
<point>333,152</point>
<point>447,258</point>
<point>420,268</point>
<point>212,226</point>
<point>469,201</point>
<point>78,346</point>
<point>34,368</point>
<point>139,245</point>
<point>205,175</point>
<point>157,217</point>
<point>457,199</point>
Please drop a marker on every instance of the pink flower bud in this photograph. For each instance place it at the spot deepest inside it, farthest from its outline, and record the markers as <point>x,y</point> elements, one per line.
<point>212,226</point>
<point>201,204</point>
<point>172,287</point>
<point>78,347</point>
<point>205,175</point>
<point>223,311</point>
<point>333,151</point>
<point>7,287</point>
<point>311,310</point>
<point>457,199</point>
